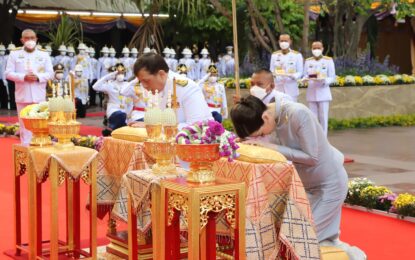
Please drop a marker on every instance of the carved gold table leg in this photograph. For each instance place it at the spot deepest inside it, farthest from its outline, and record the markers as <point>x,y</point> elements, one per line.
<point>193,224</point>
<point>93,212</point>
<point>33,215</point>
<point>54,231</point>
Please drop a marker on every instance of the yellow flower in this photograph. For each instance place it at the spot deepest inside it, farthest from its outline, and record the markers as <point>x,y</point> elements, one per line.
<point>374,191</point>
<point>358,80</point>
<point>404,199</point>
<point>25,111</point>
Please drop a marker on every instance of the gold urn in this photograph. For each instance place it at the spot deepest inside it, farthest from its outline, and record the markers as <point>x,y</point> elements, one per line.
<point>163,153</point>
<point>64,128</point>
<point>201,158</point>
<point>39,129</point>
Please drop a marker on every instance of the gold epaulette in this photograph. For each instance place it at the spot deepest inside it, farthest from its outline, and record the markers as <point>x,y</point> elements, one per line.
<point>311,58</point>
<point>18,48</point>
<point>295,52</point>
<point>327,58</point>
<point>275,52</point>
<point>182,82</point>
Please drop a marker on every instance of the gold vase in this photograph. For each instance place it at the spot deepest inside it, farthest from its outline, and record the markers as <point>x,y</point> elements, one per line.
<point>170,132</point>
<point>201,158</point>
<point>64,132</point>
<point>39,129</point>
<point>163,153</point>
<point>154,132</point>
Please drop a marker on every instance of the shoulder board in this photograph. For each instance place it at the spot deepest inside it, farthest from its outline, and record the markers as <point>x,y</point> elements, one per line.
<point>18,48</point>
<point>295,52</point>
<point>327,58</point>
<point>182,82</point>
<point>311,58</point>
<point>275,52</point>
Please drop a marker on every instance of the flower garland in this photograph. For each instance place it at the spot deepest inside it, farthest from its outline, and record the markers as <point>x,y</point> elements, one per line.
<point>210,132</point>
<point>38,111</point>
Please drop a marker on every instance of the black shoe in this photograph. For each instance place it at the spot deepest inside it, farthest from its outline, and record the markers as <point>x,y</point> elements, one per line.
<point>106,132</point>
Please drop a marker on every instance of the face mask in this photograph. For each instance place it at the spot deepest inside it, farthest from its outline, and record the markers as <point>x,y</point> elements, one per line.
<point>82,52</point>
<point>120,77</point>
<point>317,52</point>
<point>213,79</point>
<point>167,55</point>
<point>71,54</point>
<point>105,55</point>
<point>229,52</point>
<point>258,92</point>
<point>112,55</point>
<point>135,55</point>
<point>91,55</point>
<point>78,73</point>
<point>126,55</point>
<point>63,53</point>
<point>204,56</point>
<point>30,44</point>
<point>2,52</point>
<point>284,45</point>
<point>219,59</point>
<point>59,76</point>
<point>188,56</point>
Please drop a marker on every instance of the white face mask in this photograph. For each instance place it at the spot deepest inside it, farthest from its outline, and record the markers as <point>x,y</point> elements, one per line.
<point>63,53</point>
<point>112,55</point>
<point>213,79</point>
<point>91,55</point>
<point>120,77</point>
<point>2,53</point>
<point>82,52</point>
<point>78,73</point>
<point>258,92</point>
<point>59,76</point>
<point>126,55</point>
<point>317,52</point>
<point>71,54</point>
<point>134,55</point>
<point>204,56</point>
<point>229,52</point>
<point>284,45</point>
<point>219,59</point>
<point>105,55</point>
<point>30,44</point>
<point>167,55</point>
<point>188,56</point>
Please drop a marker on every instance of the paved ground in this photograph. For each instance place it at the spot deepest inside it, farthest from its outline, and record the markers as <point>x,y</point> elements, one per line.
<point>385,155</point>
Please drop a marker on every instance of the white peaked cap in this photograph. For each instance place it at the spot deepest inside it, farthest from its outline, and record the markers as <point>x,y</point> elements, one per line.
<point>62,48</point>
<point>71,49</point>
<point>134,50</point>
<point>125,50</point>
<point>48,48</point>
<point>166,51</point>
<point>204,51</point>
<point>186,51</point>
<point>105,49</point>
<point>11,46</point>
<point>82,46</point>
<point>112,50</point>
<point>2,47</point>
<point>146,50</point>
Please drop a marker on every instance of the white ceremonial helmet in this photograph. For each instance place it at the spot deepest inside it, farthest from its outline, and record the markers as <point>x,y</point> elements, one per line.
<point>229,48</point>
<point>2,47</point>
<point>112,50</point>
<point>134,50</point>
<point>78,68</point>
<point>48,48</point>
<point>105,49</point>
<point>186,51</point>
<point>82,46</point>
<point>39,47</point>
<point>146,50</point>
<point>11,47</point>
<point>62,47</point>
<point>71,49</point>
<point>204,51</point>
<point>173,52</point>
<point>125,50</point>
<point>166,51</point>
<point>91,50</point>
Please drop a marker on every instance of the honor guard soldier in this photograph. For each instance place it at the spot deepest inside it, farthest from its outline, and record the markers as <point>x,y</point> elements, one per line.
<point>215,95</point>
<point>134,54</point>
<point>128,62</point>
<point>228,62</point>
<point>146,50</point>
<point>319,71</point>
<point>30,69</point>
<point>174,61</point>
<point>63,59</point>
<point>83,59</point>
<point>81,91</point>
<point>49,51</point>
<point>113,59</point>
<point>71,56</point>
<point>287,66</point>
<point>187,96</point>
<point>189,62</point>
<point>105,62</point>
<point>4,96</point>
<point>94,75</point>
<point>204,62</point>
<point>167,55</point>
<point>119,106</point>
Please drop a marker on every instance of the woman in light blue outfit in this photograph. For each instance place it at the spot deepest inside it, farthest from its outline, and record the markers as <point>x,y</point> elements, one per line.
<point>301,140</point>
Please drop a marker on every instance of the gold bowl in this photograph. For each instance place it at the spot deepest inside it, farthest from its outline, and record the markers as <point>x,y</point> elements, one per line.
<point>64,132</point>
<point>154,132</point>
<point>163,153</point>
<point>40,130</point>
<point>201,158</point>
<point>170,132</point>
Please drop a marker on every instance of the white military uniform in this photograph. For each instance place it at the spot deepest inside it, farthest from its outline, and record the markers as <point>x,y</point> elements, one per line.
<point>191,65</point>
<point>65,61</point>
<point>173,61</point>
<point>228,65</point>
<point>192,103</point>
<point>139,95</point>
<point>215,96</point>
<point>104,64</point>
<point>94,68</point>
<point>128,62</point>
<point>275,95</point>
<point>19,64</point>
<point>318,90</point>
<point>85,62</point>
<point>81,89</point>
<point>116,101</point>
<point>203,66</point>
<point>290,63</point>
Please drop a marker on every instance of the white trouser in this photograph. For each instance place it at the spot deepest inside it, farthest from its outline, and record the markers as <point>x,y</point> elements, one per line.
<point>25,135</point>
<point>321,110</point>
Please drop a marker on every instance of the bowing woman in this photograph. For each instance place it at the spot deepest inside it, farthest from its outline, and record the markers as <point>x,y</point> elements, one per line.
<point>301,140</point>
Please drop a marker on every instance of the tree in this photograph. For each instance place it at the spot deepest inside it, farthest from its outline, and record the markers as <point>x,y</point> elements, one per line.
<point>7,18</point>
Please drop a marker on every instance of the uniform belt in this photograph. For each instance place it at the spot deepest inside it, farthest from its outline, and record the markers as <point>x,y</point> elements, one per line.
<point>143,109</point>
<point>214,106</point>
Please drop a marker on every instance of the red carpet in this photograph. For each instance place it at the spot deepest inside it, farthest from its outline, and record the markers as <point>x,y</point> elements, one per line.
<point>380,237</point>
<point>90,130</point>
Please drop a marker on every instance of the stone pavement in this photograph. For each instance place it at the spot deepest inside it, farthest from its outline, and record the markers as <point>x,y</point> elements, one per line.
<point>385,155</point>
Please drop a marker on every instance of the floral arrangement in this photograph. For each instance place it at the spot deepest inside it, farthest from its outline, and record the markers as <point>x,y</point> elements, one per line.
<point>373,121</point>
<point>6,130</point>
<point>230,82</point>
<point>364,193</point>
<point>210,132</point>
<point>38,111</point>
<point>368,80</point>
<point>89,141</point>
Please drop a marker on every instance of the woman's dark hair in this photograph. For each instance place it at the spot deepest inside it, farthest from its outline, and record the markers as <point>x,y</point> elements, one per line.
<point>151,62</point>
<point>246,115</point>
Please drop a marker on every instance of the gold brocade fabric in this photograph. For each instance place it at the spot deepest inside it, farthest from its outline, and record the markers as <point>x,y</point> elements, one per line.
<point>277,210</point>
<point>73,160</point>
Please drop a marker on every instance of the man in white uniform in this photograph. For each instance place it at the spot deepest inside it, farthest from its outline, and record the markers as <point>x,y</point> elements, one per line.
<point>287,66</point>
<point>174,61</point>
<point>204,62</point>
<point>128,62</point>
<point>71,55</point>
<point>63,59</point>
<point>154,74</point>
<point>81,91</point>
<point>189,62</point>
<point>228,62</point>
<point>319,71</point>
<point>30,69</point>
<point>94,75</point>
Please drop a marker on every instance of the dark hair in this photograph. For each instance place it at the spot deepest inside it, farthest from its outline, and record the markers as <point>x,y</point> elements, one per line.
<point>262,70</point>
<point>151,62</point>
<point>246,115</point>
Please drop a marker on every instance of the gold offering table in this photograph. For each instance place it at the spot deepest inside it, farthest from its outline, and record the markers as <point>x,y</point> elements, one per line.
<point>278,214</point>
<point>59,166</point>
<point>199,205</point>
